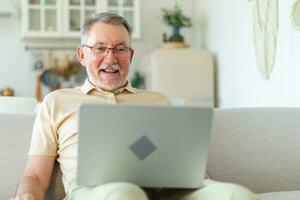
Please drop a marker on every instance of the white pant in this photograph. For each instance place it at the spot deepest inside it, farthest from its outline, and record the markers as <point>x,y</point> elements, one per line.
<point>212,190</point>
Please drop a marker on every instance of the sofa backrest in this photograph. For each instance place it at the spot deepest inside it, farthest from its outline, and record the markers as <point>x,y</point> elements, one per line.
<point>15,134</point>
<point>256,147</point>
<point>20,105</point>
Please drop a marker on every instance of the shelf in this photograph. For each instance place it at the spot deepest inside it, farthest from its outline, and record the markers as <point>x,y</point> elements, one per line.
<point>173,45</point>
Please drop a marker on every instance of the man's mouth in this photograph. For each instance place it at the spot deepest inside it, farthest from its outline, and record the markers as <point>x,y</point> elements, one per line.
<point>110,70</point>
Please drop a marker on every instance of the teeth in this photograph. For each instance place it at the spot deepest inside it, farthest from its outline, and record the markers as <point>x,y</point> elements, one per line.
<point>110,70</point>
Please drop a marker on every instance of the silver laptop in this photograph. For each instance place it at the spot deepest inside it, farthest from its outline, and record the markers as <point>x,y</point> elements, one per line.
<point>144,145</point>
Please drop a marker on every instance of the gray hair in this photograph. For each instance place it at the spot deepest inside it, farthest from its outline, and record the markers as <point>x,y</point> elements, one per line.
<point>105,17</point>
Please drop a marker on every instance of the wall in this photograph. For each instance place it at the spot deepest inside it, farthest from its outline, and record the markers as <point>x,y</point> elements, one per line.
<point>15,69</point>
<point>16,63</point>
<point>225,28</point>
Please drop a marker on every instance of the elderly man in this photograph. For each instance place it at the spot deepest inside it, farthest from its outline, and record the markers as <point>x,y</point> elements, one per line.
<point>106,54</point>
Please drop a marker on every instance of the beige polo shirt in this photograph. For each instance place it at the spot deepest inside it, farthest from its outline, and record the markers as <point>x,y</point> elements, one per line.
<point>55,128</point>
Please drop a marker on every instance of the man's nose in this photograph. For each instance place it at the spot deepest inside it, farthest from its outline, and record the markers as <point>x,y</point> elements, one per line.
<point>111,56</point>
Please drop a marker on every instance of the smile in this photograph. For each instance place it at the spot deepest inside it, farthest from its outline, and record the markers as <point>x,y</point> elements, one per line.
<point>110,70</point>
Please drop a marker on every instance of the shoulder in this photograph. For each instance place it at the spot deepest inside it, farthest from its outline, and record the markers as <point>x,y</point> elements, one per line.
<point>61,101</point>
<point>62,94</point>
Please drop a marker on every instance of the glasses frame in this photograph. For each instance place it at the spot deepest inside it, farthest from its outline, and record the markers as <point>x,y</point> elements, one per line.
<point>105,53</point>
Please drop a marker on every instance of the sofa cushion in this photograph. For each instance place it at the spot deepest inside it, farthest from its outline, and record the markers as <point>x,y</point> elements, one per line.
<point>256,147</point>
<point>290,195</point>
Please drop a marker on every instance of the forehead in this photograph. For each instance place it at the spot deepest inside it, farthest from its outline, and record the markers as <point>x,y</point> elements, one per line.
<point>109,34</point>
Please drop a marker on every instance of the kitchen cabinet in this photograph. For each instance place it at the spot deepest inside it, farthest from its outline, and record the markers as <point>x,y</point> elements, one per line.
<point>76,12</point>
<point>63,18</point>
<point>130,9</point>
<point>41,18</point>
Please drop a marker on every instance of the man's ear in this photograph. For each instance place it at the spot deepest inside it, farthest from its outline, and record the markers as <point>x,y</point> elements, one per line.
<point>131,56</point>
<point>80,55</point>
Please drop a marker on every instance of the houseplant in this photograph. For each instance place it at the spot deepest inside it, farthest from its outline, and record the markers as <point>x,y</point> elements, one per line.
<point>175,18</point>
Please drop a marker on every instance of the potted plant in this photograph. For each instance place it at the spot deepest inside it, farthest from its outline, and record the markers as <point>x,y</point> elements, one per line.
<point>176,19</point>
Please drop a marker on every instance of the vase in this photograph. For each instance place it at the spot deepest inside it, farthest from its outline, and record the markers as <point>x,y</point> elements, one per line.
<point>176,36</point>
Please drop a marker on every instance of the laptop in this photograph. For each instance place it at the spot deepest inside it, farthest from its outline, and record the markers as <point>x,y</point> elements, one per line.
<point>145,145</point>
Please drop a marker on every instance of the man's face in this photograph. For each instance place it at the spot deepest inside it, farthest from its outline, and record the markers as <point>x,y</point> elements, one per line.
<point>107,70</point>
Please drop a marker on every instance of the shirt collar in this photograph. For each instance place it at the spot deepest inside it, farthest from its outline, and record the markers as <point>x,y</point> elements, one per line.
<point>88,86</point>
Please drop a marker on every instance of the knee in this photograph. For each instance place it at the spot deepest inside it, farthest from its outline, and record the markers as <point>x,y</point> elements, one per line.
<point>235,192</point>
<point>126,191</point>
<point>223,191</point>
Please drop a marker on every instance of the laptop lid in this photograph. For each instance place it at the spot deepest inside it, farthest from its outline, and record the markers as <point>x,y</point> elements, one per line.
<point>144,145</point>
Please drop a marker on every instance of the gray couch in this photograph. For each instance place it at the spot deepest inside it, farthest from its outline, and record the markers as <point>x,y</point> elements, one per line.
<point>256,147</point>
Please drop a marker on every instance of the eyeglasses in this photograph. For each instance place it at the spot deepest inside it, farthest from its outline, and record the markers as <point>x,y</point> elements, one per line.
<point>100,50</point>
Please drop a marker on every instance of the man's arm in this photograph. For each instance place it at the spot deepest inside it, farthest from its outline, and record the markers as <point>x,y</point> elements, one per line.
<point>36,178</point>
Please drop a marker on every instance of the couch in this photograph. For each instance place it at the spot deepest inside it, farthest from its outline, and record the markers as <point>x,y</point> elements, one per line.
<point>255,147</point>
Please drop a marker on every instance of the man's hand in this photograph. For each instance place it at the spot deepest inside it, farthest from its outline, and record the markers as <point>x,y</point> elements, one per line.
<point>206,176</point>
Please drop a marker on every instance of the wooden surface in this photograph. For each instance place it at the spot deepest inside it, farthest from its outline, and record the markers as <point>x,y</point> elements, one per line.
<point>173,45</point>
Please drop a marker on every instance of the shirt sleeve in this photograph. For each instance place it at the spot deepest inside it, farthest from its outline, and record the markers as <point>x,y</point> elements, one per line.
<point>44,136</point>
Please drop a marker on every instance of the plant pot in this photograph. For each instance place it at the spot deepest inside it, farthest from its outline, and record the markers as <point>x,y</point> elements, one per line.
<point>176,36</point>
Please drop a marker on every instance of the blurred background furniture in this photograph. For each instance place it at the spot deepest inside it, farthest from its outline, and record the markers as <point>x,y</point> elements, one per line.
<point>185,75</point>
<point>26,105</point>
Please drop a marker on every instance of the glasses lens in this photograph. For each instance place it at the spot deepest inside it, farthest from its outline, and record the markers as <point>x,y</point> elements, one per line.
<point>122,50</point>
<point>99,49</point>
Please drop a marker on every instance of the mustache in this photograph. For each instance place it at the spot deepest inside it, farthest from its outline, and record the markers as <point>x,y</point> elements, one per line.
<point>114,67</point>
